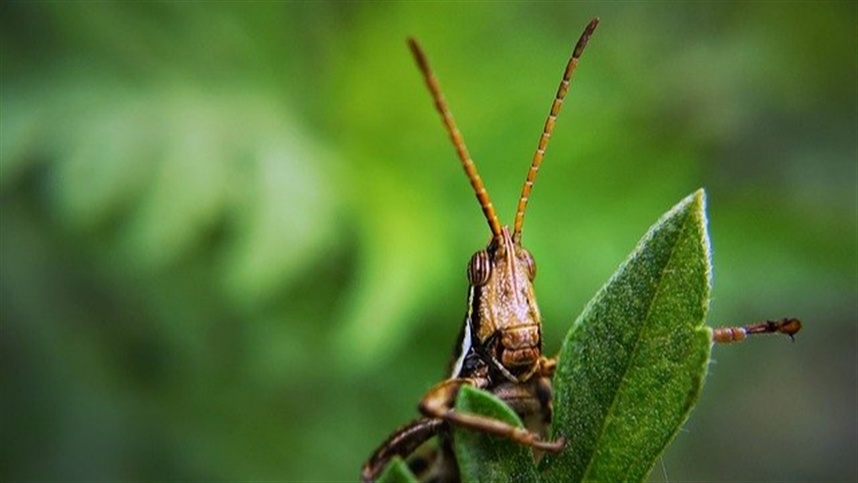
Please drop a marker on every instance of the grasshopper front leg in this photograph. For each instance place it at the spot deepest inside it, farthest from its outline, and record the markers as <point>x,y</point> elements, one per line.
<point>441,399</point>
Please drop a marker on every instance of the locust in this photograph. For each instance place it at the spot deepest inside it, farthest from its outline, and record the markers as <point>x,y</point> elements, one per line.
<point>499,348</point>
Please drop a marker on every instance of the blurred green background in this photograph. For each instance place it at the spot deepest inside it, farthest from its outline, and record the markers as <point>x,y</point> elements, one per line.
<point>234,235</point>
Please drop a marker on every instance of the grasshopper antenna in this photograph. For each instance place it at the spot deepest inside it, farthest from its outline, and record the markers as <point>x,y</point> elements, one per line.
<point>562,90</point>
<point>456,137</point>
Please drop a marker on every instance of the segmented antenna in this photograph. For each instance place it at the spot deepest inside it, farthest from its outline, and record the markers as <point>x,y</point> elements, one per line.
<point>562,90</point>
<point>456,137</point>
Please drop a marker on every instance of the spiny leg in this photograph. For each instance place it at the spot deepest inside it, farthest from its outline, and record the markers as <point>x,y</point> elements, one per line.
<point>786,326</point>
<point>439,403</point>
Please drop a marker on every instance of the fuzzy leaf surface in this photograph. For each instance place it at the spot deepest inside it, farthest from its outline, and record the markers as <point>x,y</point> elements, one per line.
<point>632,365</point>
<point>483,457</point>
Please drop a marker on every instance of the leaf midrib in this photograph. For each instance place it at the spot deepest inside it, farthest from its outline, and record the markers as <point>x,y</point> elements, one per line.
<point>636,347</point>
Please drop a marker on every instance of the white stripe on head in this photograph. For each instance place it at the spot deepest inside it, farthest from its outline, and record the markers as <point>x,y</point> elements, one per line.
<point>466,339</point>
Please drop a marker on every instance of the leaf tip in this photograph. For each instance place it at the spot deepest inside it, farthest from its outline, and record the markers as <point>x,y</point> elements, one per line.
<point>700,215</point>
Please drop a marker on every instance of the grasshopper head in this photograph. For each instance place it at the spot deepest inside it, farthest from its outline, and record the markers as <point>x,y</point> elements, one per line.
<point>503,315</point>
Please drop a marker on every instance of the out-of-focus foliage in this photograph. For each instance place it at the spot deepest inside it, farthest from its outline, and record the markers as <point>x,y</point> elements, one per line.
<point>233,235</point>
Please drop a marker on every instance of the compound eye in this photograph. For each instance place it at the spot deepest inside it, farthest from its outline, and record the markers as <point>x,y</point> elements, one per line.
<point>528,261</point>
<point>479,268</point>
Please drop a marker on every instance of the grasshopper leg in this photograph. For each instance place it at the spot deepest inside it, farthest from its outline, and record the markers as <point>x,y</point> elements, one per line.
<point>787,326</point>
<point>439,402</point>
<point>401,443</point>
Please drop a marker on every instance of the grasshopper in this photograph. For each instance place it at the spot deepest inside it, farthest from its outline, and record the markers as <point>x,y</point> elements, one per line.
<point>499,348</point>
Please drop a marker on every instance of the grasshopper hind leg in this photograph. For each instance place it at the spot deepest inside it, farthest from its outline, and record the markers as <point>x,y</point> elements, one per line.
<point>435,461</point>
<point>402,443</point>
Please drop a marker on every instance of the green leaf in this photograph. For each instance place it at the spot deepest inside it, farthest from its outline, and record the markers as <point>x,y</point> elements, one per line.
<point>632,365</point>
<point>483,457</point>
<point>397,472</point>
